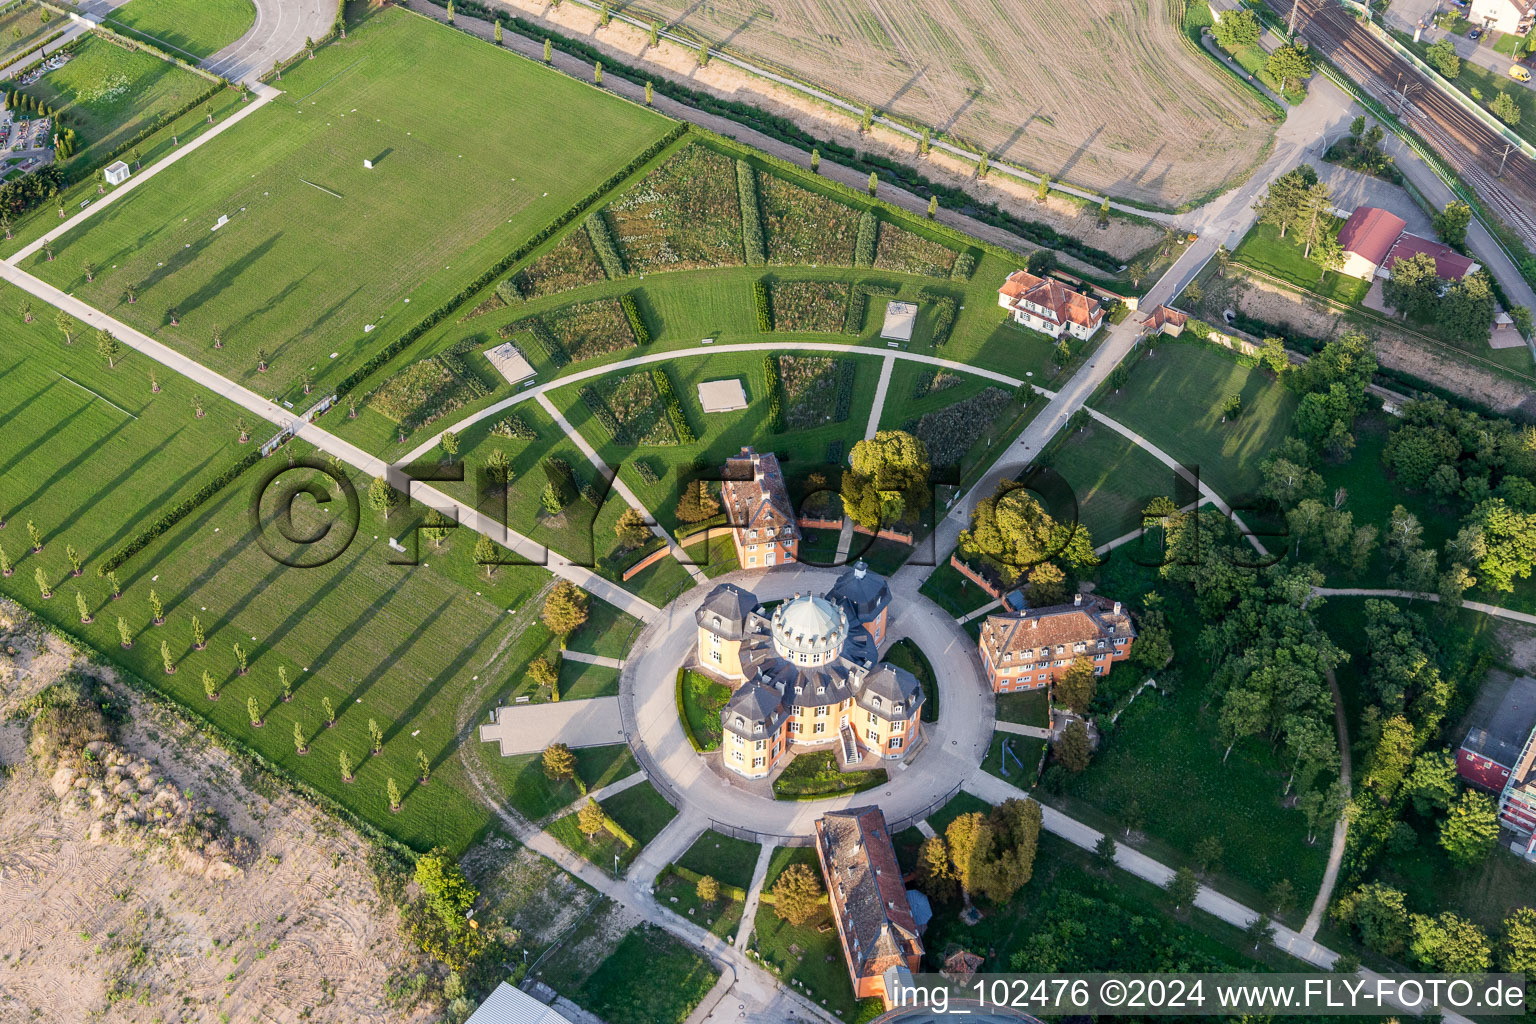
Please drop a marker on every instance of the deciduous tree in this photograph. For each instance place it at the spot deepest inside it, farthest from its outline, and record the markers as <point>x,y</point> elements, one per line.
<point>797,894</point>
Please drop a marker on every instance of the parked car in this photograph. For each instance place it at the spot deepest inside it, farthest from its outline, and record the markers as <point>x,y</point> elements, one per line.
<point>1476,33</point>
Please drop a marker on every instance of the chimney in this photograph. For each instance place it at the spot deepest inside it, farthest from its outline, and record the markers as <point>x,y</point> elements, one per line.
<point>1117,607</point>
<point>1077,600</point>
<point>1034,623</point>
<point>859,568</point>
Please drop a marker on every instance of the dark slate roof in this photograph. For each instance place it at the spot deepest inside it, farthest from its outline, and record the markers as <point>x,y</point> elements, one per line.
<point>866,890</point>
<point>755,702</point>
<point>893,684</point>
<point>866,593</point>
<point>1504,735</point>
<point>731,605</point>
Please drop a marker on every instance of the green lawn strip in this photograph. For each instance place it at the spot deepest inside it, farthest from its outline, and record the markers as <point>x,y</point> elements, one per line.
<point>906,654</point>
<point>814,775</point>
<point>1195,378</point>
<point>680,895</point>
<point>819,547</point>
<point>961,803</point>
<point>953,592</point>
<point>608,632</point>
<point>579,680</point>
<point>728,860</point>
<point>301,203</point>
<point>190,29</point>
<point>1021,749</point>
<point>109,94</point>
<point>1032,707</point>
<point>810,953</point>
<point>534,795</point>
<point>1263,249</point>
<point>1112,477</point>
<point>28,18</point>
<point>639,810</point>
<point>649,978</point>
<point>702,701</point>
<point>720,556</point>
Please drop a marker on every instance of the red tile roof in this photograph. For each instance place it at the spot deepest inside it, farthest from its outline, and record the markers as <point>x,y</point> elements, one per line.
<point>1371,233</point>
<point>1062,304</point>
<point>755,495</point>
<point>866,891</point>
<point>1449,264</point>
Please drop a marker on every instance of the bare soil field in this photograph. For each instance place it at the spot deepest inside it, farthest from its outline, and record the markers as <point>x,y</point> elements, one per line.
<point>1101,93</point>
<point>149,881</point>
<point>1123,238</point>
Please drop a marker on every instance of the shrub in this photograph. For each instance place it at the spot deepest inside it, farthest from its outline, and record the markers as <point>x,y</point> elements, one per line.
<point>847,371</point>
<point>774,387</point>
<point>965,266</point>
<point>647,472</point>
<point>751,214</point>
<point>944,308</point>
<point>506,290</point>
<point>680,423</point>
<point>603,247</point>
<point>853,319</point>
<point>637,325</point>
<point>764,311</point>
<point>864,244</point>
<point>514,428</point>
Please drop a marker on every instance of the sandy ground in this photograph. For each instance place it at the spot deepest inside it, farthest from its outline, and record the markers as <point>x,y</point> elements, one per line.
<point>1122,238</point>
<point>1099,92</point>
<point>299,934</point>
<point>1397,352</point>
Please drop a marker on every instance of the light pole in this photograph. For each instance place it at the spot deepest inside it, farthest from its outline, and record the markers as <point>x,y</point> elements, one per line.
<point>1503,159</point>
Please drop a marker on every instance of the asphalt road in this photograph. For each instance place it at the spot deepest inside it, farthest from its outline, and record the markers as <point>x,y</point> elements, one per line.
<point>279,32</point>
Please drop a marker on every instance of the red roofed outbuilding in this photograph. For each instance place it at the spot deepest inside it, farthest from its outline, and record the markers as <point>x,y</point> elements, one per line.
<point>1374,240</point>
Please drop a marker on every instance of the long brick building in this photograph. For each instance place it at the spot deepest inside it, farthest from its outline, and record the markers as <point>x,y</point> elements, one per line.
<point>757,507</point>
<point>1029,649</point>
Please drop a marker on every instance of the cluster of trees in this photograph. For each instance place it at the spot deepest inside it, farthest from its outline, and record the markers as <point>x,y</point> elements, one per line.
<point>1333,388</point>
<point>1298,201</point>
<point>1237,29</point>
<point>1013,534</point>
<point>697,502</point>
<point>1462,310</point>
<point>887,481</point>
<point>990,855</point>
<point>1379,915</point>
<point>1361,151</point>
<point>1443,58</point>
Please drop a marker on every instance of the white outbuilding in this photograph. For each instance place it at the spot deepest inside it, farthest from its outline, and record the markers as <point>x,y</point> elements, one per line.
<point>117,172</point>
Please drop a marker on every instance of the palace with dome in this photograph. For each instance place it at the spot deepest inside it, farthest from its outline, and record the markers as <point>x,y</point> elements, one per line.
<point>807,675</point>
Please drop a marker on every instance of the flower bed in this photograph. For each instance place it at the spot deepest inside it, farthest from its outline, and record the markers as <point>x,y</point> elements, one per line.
<point>425,391</point>
<point>804,228</point>
<point>931,383</point>
<point>590,329</point>
<point>809,306</point>
<point>900,249</point>
<point>570,264</point>
<point>685,214</point>
<point>810,388</point>
<point>951,431</point>
<point>514,428</point>
<point>631,408</point>
<point>810,776</point>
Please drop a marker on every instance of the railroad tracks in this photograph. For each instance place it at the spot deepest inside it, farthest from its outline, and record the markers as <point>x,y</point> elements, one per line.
<point>1468,145</point>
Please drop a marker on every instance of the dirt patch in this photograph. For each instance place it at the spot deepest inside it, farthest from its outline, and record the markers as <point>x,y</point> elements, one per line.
<point>1518,643</point>
<point>529,891</point>
<point>1122,238</point>
<point>111,928</point>
<point>1266,302</point>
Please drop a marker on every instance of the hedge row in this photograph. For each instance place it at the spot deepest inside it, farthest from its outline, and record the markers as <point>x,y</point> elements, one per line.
<point>636,321</point>
<point>179,512</point>
<point>751,214</point>
<point>133,42</point>
<point>685,434</point>
<point>603,245</point>
<point>547,342</point>
<point>647,472</point>
<point>730,892</point>
<point>858,302</point>
<point>847,370</point>
<point>400,344</point>
<point>775,388</point>
<point>514,428</point>
<point>943,318</point>
<point>764,311</point>
<point>965,266</point>
<point>864,245</point>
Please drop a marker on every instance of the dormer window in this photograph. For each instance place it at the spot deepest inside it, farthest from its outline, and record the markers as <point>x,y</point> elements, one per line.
<point>874,701</point>
<point>821,689</point>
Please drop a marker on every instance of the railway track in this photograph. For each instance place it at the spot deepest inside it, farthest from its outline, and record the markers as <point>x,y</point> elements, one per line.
<point>1472,149</point>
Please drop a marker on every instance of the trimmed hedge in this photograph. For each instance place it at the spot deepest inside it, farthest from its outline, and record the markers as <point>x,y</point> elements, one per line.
<point>965,266</point>
<point>597,407</point>
<point>685,434</point>
<point>602,242</point>
<point>636,321</point>
<point>943,318</point>
<point>751,214</point>
<point>858,303</point>
<point>847,370</point>
<point>864,245</point>
<point>179,512</point>
<point>541,336</point>
<point>400,344</point>
<point>775,388</point>
<point>764,311</point>
<point>647,472</point>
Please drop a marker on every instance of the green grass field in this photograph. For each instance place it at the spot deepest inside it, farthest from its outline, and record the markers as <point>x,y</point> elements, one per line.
<point>22,27</point>
<point>190,29</point>
<point>1112,477</point>
<point>1195,378</point>
<point>315,245</point>
<point>1263,249</point>
<point>109,95</point>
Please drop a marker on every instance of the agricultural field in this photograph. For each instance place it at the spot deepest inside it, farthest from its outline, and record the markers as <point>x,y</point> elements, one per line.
<point>189,29</point>
<point>23,25</point>
<point>109,95</point>
<point>433,213</point>
<point>1147,116</point>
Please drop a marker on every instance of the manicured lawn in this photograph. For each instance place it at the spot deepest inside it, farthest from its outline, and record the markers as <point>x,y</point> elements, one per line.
<point>681,896</point>
<point>579,681</point>
<point>1263,249</point>
<point>1112,478</point>
<point>1194,378</point>
<point>1033,707</point>
<point>947,588</point>
<point>109,95</point>
<point>817,775</point>
<point>703,698</point>
<point>728,860</point>
<point>676,979</point>
<point>315,245</point>
<point>1021,750</point>
<point>28,17</point>
<point>638,810</point>
<point>906,654</point>
<point>534,795</point>
<point>608,632</point>
<point>810,953</point>
<point>190,29</point>
<point>961,803</point>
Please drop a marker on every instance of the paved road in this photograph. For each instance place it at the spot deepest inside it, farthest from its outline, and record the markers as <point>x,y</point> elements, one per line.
<point>278,33</point>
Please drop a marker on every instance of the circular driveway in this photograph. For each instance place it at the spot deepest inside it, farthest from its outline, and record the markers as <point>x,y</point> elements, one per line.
<point>956,743</point>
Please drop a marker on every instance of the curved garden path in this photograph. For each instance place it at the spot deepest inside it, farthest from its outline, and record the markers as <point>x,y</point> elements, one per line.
<point>955,744</point>
<point>279,32</point>
<point>1421,595</point>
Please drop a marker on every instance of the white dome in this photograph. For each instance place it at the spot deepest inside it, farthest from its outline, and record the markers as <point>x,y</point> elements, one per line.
<point>809,625</point>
